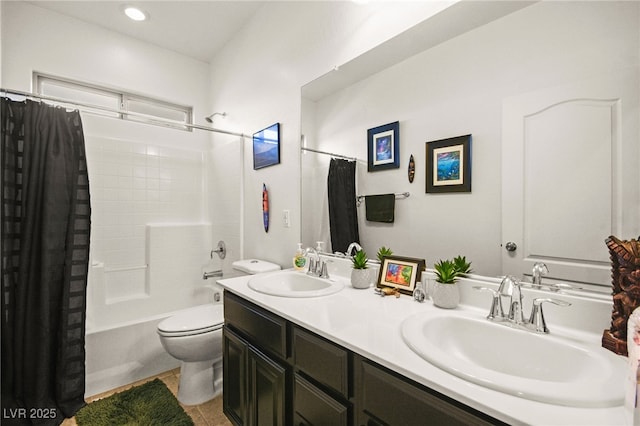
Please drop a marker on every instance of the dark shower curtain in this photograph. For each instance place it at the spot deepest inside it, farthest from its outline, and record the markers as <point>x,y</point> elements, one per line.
<point>343,216</point>
<point>45,253</point>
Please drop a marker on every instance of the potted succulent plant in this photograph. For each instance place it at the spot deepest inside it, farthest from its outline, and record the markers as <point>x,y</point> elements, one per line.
<point>360,271</point>
<point>462,266</point>
<point>445,293</point>
<point>384,252</point>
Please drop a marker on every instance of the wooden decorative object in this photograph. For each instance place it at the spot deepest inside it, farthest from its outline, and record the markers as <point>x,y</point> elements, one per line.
<point>625,277</point>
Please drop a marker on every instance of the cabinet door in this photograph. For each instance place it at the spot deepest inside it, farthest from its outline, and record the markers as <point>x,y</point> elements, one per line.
<point>234,394</point>
<point>311,406</point>
<point>267,380</point>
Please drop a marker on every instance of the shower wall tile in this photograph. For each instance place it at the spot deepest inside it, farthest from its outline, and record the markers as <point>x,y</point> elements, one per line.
<point>133,184</point>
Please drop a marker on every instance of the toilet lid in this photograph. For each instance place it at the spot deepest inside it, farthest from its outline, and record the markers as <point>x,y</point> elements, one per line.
<point>196,319</point>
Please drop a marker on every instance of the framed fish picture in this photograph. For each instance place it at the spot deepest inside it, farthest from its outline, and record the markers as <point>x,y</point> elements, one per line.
<point>449,165</point>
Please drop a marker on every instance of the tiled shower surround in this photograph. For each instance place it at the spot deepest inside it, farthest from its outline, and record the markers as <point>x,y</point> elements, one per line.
<point>135,186</point>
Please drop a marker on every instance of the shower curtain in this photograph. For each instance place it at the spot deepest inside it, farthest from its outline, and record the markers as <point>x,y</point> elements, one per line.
<point>45,252</point>
<point>343,216</point>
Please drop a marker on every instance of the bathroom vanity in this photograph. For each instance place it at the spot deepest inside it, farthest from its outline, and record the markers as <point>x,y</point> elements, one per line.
<point>341,359</point>
<point>285,371</point>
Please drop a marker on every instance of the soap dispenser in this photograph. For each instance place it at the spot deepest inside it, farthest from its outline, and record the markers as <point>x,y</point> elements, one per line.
<point>299,260</point>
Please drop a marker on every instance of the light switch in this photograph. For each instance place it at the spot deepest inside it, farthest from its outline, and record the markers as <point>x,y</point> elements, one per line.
<point>286,218</point>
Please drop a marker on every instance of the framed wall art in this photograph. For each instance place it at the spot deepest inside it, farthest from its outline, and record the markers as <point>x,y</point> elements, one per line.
<point>383,147</point>
<point>449,165</point>
<point>266,147</point>
<point>401,273</point>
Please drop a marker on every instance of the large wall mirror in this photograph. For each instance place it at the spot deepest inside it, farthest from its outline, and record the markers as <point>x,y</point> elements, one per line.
<point>549,92</point>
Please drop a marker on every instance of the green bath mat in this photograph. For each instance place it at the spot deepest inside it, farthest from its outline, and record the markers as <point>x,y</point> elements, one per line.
<point>149,404</point>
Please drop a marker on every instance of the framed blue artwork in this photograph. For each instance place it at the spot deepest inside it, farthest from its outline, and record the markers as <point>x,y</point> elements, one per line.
<point>266,147</point>
<point>449,165</point>
<point>383,147</point>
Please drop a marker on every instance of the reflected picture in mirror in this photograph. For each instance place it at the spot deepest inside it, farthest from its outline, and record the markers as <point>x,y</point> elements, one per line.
<point>449,165</point>
<point>383,146</point>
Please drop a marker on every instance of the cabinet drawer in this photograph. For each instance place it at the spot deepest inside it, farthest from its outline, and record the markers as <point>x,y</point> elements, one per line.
<point>264,329</point>
<point>386,398</point>
<point>325,362</point>
<point>311,406</point>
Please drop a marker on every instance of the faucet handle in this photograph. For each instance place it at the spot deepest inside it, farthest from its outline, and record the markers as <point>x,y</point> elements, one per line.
<point>322,270</point>
<point>536,321</point>
<point>496,304</point>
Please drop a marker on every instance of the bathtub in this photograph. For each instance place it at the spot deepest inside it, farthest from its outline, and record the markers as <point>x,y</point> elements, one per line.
<point>123,353</point>
<point>125,303</point>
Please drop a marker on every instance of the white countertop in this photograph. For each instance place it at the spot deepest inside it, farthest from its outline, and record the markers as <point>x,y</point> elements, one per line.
<point>369,325</point>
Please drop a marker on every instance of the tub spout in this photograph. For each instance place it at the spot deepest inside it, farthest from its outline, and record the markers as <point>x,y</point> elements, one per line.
<point>212,274</point>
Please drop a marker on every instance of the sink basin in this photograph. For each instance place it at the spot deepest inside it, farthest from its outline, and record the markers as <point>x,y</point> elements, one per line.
<point>294,284</point>
<point>538,367</point>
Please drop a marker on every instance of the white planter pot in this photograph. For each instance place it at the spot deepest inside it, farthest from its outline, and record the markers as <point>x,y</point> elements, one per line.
<point>360,278</point>
<point>445,295</point>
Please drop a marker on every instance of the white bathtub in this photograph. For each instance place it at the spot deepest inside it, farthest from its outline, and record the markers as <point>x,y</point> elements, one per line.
<point>125,303</point>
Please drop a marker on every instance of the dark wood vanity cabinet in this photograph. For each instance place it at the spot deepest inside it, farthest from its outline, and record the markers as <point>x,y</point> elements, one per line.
<point>255,371</point>
<point>277,373</point>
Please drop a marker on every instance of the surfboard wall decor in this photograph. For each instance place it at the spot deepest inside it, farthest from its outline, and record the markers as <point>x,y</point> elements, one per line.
<point>265,207</point>
<point>412,169</point>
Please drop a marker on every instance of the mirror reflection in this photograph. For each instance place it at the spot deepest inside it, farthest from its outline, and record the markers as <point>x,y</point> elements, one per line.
<point>548,95</point>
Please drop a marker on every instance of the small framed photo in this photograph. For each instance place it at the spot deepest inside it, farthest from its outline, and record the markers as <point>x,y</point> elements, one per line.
<point>401,273</point>
<point>266,147</point>
<point>449,165</point>
<point>383,147</point>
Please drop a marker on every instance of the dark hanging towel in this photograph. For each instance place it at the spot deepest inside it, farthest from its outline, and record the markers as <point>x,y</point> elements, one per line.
<point>45,254</point>
<point>343,214</point>
<point>380,208</point>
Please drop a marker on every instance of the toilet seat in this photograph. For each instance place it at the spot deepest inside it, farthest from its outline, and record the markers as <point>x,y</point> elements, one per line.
<point>192,321</point>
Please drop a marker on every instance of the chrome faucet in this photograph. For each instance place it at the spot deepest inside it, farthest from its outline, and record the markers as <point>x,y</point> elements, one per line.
<point>510,287</point>
<point>317,267</point>
<point>353,245</point>
<point>539,269</point>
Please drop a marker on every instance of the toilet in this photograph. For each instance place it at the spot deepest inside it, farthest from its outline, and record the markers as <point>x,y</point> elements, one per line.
<point>194,336</point>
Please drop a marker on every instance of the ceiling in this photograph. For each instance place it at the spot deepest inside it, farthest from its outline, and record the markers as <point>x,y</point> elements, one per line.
<point>198,29</point>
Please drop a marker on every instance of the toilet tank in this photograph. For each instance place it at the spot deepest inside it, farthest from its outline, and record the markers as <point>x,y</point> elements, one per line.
<point>255,266</point>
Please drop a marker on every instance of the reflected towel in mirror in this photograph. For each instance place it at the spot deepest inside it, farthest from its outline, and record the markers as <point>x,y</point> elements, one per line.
<point>380,208</point>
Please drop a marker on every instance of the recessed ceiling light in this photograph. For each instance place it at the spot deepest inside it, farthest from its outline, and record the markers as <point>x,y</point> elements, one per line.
<point>135,13</point>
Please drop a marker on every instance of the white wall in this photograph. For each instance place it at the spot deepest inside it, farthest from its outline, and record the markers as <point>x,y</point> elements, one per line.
<point>257,78</point>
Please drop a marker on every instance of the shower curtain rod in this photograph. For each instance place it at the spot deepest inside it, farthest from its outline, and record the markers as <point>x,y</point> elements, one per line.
<point>82,107</point>
<point>329,153</point>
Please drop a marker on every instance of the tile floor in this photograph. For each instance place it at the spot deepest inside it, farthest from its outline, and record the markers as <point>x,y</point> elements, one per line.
<point>207,414</point>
